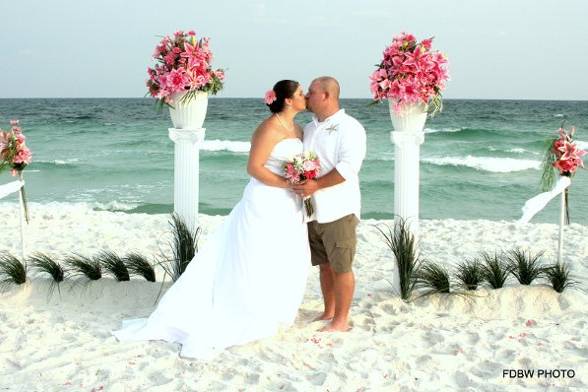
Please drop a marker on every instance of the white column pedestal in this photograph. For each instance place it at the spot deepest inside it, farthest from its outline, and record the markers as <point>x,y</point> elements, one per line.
<point>187,173</point>
<point>407,176</point>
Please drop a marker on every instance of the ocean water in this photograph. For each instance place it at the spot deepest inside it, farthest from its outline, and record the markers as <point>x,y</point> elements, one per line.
<point>480,160</point>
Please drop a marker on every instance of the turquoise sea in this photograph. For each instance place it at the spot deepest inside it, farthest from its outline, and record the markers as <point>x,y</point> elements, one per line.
<point>480,160</point>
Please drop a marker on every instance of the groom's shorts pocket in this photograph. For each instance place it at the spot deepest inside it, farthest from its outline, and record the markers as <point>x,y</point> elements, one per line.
<point>334,242</point>
<point>341,257</point>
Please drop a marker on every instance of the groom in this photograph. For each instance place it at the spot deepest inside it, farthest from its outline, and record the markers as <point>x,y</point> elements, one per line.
<point>339,140</point>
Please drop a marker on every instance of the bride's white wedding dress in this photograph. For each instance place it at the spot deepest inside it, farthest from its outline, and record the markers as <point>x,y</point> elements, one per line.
<point>247,280</point>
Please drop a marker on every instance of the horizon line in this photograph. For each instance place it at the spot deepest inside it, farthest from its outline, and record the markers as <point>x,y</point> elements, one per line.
<point>342,98</point>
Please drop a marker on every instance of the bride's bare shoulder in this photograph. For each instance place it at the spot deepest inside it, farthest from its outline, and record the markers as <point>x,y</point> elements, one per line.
<point>267,130</point>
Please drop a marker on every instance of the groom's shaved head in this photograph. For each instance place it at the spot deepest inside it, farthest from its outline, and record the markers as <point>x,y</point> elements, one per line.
<point>323,97</point>
<point>329,85</point>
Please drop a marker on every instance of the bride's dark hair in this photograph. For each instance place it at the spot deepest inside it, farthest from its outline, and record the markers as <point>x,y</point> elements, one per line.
<point>283,89</point>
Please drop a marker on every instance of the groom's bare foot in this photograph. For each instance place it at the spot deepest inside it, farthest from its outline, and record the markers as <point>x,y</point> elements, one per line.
<point>325,316</point>
<point>336,327</point>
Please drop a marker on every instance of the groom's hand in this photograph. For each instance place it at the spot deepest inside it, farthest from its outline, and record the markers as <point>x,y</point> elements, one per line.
<point>306,188</point>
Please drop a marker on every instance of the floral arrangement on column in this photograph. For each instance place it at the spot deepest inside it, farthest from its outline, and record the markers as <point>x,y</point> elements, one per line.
<point>410,73</point>
<point>183,65</point>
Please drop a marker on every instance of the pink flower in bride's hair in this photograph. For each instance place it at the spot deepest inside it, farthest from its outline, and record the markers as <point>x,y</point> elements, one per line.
<point>270,97</point>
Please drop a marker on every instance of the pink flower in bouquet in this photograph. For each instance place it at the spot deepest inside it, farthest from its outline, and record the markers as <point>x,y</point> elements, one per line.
<point>410,73</point>
<point>302,167</point>
<point>310,166</point>
<point>291,173</point>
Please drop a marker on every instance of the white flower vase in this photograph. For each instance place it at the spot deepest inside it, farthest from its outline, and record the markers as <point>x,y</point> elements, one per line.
<point>190,114</point>
<point>411,118</point>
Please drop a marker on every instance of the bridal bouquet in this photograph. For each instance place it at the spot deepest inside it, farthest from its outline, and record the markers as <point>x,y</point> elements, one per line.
<point>302,167</point>
<point>183,65</point>
<point>15,154</point>
<point>410,73</point>
<point>564,156</point>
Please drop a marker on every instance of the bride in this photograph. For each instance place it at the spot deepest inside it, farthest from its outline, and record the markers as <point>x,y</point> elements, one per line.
<point>250,276</point>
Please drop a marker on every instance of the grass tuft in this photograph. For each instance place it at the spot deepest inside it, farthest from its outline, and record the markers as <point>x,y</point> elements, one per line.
<point>184,246</point>
<point>494,270</point>
<point>469,274</point>
<point>559,277</point>
<point>44,263</point>
<point>401,242</point>
<point>525,266</point>
<point>82,265</point>
<point>12,271</point>
<point>434,278</point>
<point>138,264</point>
<point>114,265</point>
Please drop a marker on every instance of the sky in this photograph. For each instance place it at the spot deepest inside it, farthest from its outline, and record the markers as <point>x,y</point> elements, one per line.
<point>500,49</point>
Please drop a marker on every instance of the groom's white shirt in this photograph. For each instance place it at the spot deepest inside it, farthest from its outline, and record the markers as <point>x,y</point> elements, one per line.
<point>340,143</point>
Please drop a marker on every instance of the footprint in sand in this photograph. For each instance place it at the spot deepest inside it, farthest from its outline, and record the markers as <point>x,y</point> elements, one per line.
<point>157,378</point>
<point>473,338</point>
<point>506,355</point>
<point>487,369</point>
<point>317,378</point>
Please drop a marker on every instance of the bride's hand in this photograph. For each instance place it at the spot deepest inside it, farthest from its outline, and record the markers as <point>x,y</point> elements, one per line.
<point>306,188</point>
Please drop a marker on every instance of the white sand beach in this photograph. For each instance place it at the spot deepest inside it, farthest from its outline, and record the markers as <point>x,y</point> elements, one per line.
<point>437,343</point>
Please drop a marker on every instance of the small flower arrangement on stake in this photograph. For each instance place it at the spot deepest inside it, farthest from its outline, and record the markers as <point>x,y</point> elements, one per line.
<point>183,65</point>
<point>15,154</point>
<point>410,73</point>
<point>563,155</point>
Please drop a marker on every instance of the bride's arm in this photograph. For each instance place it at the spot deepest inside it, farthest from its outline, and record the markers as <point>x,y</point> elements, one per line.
<point>262,143</point>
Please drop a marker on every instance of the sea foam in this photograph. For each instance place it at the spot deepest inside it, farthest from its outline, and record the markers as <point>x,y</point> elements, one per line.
<point>489,164</point>
<point>226,145</point>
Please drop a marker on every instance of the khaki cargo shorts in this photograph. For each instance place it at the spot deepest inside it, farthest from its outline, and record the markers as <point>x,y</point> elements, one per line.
<point>333,243</point>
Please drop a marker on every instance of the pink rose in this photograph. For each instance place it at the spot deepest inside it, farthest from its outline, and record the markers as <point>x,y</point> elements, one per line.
<point>270,97</point>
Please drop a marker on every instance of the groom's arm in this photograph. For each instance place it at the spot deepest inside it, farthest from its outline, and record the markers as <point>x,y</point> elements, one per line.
<point>309,187</point>
<point>351,156</point>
